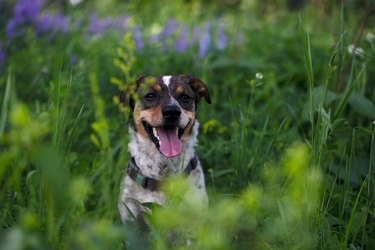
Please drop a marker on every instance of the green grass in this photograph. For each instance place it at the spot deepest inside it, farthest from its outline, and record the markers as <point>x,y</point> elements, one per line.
<point>288,144</point>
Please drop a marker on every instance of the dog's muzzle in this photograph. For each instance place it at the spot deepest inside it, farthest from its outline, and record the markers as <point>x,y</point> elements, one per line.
<point>167,136</point>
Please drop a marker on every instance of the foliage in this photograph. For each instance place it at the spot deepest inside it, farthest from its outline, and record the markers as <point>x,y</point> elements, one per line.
<point>288,145</point>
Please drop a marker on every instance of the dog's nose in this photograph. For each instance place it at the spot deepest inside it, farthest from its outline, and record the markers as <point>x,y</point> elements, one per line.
<point>171,112</point>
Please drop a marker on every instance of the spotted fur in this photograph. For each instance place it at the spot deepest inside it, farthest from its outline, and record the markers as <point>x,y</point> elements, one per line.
<point>154,94</point>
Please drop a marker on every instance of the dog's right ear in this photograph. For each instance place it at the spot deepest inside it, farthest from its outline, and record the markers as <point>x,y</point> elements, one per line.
<point>127,97</point>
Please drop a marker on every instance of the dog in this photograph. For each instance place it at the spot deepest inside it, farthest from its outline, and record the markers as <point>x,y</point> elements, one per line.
<point>163,134</point>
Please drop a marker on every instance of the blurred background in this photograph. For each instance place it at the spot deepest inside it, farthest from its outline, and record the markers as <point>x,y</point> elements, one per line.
<point>287,145</point>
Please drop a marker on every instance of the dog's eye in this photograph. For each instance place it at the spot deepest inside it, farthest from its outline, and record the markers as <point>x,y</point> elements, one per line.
<point>185,98</point>
<point>150,96</point>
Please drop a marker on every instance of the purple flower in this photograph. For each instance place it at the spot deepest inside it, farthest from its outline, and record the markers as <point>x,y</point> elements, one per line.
<point>181,44</point>
<point>121,23</point>
<point>154,38</point>
<point>11,28</point>
<point>137,35</point>
<point>221,38</point>
<point>48,23</point>
<point>25,11</point>
<point>2,54</point>
<point>170,28</point>
<point>204,41</point>
<point>195,36</point>
<point>97,25</point>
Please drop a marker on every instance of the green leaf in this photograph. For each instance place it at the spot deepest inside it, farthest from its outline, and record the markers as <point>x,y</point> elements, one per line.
<point>362,105</point>
<point>323,97</point>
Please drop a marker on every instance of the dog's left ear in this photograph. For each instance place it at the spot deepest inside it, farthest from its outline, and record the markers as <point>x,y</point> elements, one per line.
<point>198,86</point>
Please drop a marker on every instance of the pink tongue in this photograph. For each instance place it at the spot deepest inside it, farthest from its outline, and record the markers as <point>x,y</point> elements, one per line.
<point>170,145</point>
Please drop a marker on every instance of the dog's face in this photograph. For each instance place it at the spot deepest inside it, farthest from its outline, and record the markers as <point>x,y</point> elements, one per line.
<point>164,110</point>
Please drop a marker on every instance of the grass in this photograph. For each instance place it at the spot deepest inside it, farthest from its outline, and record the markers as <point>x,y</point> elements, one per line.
<point>287,145</point>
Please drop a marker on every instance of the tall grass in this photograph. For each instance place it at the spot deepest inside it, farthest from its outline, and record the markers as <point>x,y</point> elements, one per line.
<point>287,146</point>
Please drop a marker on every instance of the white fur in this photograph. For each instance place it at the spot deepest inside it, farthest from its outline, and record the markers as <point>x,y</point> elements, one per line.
<point>153,164</point>
<point>167,80</point>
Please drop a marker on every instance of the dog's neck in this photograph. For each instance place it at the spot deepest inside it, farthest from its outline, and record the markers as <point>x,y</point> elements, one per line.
<point>152,163</point>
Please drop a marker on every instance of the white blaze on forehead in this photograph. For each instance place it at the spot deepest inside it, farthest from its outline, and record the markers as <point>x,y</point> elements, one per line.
<point>167,80</point>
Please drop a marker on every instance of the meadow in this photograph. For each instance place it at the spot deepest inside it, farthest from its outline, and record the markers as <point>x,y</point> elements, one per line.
<point>287,145</point>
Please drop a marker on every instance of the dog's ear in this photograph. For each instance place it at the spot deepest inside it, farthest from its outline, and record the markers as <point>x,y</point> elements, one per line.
<point>127,97</point>
<point>198,86</point>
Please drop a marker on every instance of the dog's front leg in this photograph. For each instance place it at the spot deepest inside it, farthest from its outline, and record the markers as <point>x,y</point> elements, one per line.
<point>131,209</point>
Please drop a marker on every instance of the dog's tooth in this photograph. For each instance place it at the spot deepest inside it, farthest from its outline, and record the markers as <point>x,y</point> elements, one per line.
<point>155,133</point>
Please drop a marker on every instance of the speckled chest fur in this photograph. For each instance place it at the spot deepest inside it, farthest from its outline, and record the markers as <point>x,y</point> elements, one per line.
<point>163,134</point>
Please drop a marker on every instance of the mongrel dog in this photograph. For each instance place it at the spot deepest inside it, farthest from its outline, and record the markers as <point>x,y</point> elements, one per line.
<point>163,136</point>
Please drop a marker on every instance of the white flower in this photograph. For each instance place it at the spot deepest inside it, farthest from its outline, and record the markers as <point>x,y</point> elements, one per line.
<point>259,76</point>
<point>357,51</point>
<point>75,2</point>
<point>370,37</point>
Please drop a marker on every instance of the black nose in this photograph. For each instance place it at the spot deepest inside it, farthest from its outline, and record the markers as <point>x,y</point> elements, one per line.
<point>171,112</point>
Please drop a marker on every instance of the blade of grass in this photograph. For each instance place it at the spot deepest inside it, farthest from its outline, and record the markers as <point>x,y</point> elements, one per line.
<point>351,220</point>
<point>64,110</point>
<point>345,98</point>
<point>70,139</point>
<point>309,69</point>
<point>5,105</point>
<point>56,101</point>
<point>371,171</point>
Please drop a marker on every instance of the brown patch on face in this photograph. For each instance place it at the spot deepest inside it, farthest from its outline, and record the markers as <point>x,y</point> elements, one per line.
<point>138,123</point>
<point>152,116</point>
<point>156,88</point>
<point>198,86</point>
<point>189,127</point>
<point>180,90</point>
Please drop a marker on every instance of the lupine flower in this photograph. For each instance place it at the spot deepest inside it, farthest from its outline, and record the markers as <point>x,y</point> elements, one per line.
<point>169,29</point>
<point>121,23</point>
<point>97,26</point>
<point>205,41</point>
<point>11,28</point>
<point>196,35</point>
<point>221,38</point>
<point>2,54</point>
<point>137,35</point>
<point>24,11</point>
<point>181,44</point>
<point>27,12</point>
<point>46,23</point>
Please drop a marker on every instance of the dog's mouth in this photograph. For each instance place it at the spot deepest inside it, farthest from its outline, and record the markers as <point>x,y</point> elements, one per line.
<point>166,138</point>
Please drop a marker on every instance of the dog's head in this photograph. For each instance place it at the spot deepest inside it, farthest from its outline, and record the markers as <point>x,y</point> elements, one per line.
<point>164,110</point>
